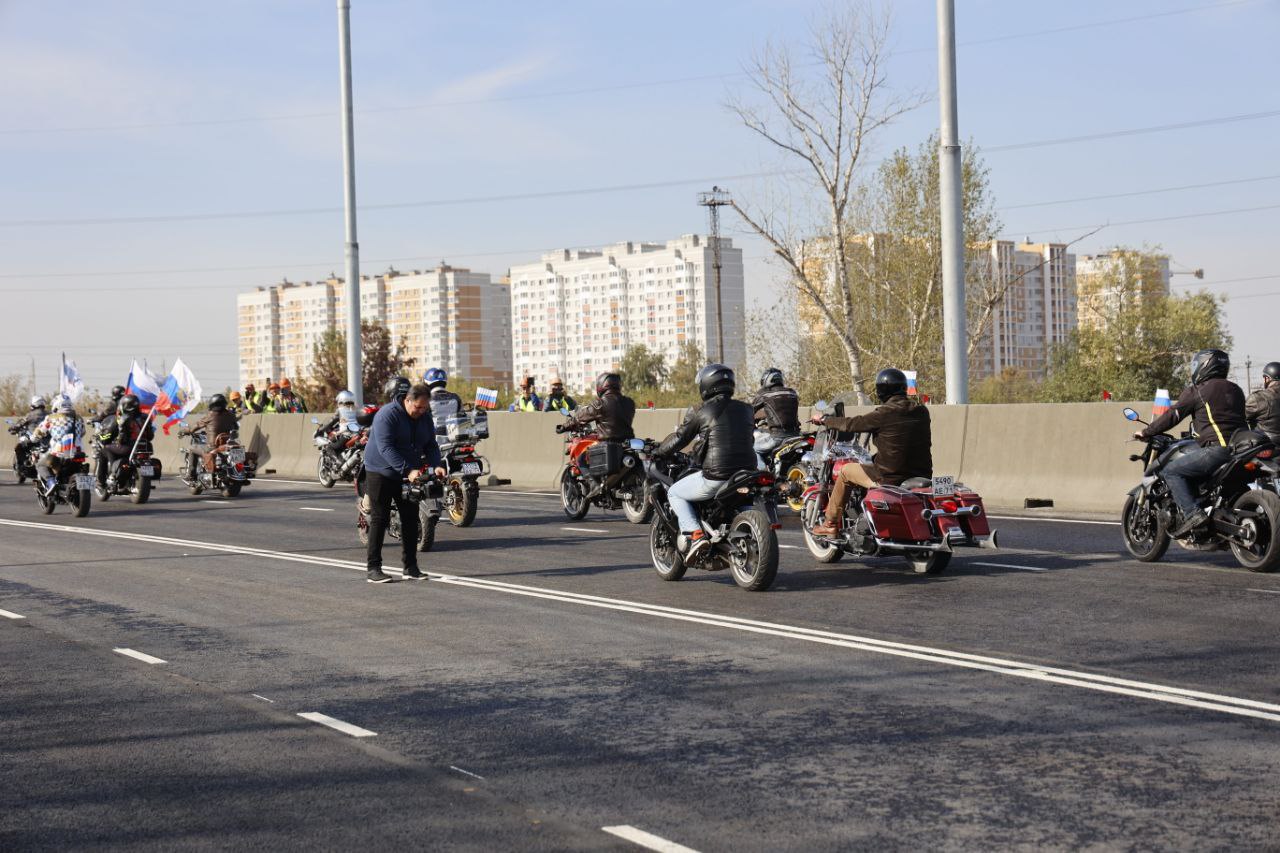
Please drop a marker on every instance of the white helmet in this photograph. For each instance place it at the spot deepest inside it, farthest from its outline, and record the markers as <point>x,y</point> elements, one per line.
<point>62,405</point>
<point>38,402</point>
<point>346,398</point>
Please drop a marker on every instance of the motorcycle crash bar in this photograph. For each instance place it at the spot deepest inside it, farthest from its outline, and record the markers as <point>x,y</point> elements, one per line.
<point>958,511</point>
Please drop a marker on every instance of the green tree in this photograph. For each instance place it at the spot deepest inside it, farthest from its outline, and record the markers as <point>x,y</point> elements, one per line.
<point>382,359</point>
<point>684,371</point>
<point>15,395</point>
<point>641,367</point>
<point>1011,386</point>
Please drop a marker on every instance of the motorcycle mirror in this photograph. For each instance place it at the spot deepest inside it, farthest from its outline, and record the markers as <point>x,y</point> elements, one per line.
<point>822,406</point>
<point>1130,415</point>
<point>315,420</point>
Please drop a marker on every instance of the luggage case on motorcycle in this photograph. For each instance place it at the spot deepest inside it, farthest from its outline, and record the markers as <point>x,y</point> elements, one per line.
<point>604,458</point>
<point>898,514</point>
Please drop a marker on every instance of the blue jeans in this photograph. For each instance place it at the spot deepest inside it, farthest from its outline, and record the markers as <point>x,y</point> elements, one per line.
<point>684,493</point>
<point>1194,465</point>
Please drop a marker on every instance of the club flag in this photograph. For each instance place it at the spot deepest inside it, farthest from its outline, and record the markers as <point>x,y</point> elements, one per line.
<point>912,390</point>
<point>69,381</point>
<point>179,393</point>
<point>486,398</point>
<point>144,385</point>
<point>1161,403</point>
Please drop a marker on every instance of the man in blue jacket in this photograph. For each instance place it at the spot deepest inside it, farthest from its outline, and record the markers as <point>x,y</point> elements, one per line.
<point>401,440</point>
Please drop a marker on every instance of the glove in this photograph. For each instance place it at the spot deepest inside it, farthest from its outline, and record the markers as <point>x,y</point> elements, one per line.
<point>561,428</point>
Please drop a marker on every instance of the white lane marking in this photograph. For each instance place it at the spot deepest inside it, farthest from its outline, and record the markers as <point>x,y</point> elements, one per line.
<point>7,615</point>
<point>647,839</point>
<point>142,656</point>
<point>345,728</point>
<point>1054,520</point>
<point>1247,589</point>
<point>584,530</point>
<point>316,508</point>
<point>263,698</point>
<point>467,773</point>
<point>789,547</point>
<point>1001,666</point>
<point>1008,566</point>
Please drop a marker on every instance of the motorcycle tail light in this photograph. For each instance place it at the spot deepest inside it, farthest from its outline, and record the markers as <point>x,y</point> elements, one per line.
<point>1266,454</point>
<point>765,480</point>
<point>467,449</point>
<point>950,506</point>
<point>1251,466</point>
<point>239,466</point>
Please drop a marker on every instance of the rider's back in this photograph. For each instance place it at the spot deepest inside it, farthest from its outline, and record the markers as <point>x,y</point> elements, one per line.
<point>727,428</point>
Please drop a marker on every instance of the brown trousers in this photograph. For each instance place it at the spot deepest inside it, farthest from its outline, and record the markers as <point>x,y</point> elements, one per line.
<point>850,475</point>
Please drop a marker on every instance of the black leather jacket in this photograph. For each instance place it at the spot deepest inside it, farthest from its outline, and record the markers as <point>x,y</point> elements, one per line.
<point>779,406</point>
<point>612,414</point>
<point>124,429</point>
<point>1262,410</point>
<point>1216,409</point>
<point>726,428</point>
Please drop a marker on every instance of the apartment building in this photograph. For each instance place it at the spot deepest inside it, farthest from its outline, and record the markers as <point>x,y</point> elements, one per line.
<point>1038,312</point>
<point>1120,278</point>
<point>575,312</point>
<point>258,331</point>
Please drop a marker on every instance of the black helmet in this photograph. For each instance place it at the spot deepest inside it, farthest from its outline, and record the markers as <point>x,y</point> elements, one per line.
<point>890,382</point>
<point>117,391</point>
<point>128,404</point>
<point>397,388</point>
<point>217,403</point>
<point>608,381</point>
<point>1271,371</point>
<point>772,376</point>
<point>1209,364</point>
<point>714,380</point>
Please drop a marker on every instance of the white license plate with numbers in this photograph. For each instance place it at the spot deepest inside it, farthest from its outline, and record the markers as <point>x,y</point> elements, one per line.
<point>944,486</point>
<point>471,467</point>
<point>146,471</point>
<point>84,481</point>
<point>235,456</point>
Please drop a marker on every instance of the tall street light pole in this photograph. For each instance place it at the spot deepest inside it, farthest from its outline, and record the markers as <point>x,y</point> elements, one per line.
<point>355,372</point>
<point>954,338</point>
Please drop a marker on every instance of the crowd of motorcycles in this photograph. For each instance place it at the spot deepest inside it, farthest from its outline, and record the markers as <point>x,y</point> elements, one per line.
<point>922,521</point>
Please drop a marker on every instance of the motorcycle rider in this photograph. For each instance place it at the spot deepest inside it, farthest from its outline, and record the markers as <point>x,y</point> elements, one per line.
<point>724,426</point>
<point>111,408</point>
<point>444,403</point>
<point>64,431</point>
<point>116,439</point>
<point>344,414</point>
<point>28,424</point>
<point>779,407</point>
<point>613,414</point>
<point>1216,407</point>
<point>904,445</point>
<point>215,422</point>
<point>1262,409</point>
<point>557,400</point>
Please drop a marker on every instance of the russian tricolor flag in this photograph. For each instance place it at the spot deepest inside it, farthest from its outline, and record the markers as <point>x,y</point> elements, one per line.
<point>179,393</point>
<point>1161,403</point>
<point>486,398</point>
<point>144,385</point>
<point>912,390</point>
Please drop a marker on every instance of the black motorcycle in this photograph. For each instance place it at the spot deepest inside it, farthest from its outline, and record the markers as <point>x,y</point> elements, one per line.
<point>426,492</point>
<point>232,469</point>
<point>1243,514</point>
<point>741,520</point>
<point>786,461</point>
<point>135,477</point>
<point>345,464</point>
<point>457,442</point>
<point>74,487</point>
<point>24,462</point>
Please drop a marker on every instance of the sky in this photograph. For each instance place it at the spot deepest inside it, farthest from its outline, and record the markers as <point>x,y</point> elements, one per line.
<point>160,157</point>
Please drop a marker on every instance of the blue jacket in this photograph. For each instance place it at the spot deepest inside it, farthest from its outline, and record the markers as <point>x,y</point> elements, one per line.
<point>399,444</point>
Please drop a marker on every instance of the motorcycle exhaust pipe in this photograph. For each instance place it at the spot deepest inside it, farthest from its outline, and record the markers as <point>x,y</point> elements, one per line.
<point>989,542</point>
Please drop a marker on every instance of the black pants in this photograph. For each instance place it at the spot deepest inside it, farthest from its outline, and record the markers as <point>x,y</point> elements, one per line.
<point>384,491</point>
<point>112,455</point>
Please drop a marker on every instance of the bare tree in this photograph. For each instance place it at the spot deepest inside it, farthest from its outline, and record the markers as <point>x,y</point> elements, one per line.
<point>823,120</point>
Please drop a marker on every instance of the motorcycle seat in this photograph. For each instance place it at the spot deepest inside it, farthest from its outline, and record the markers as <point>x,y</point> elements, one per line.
<point>917,483</point>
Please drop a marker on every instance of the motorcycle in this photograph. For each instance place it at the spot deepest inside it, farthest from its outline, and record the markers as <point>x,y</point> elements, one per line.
<point>788,469</point>
<point>922,520</point>
<point>465,466</point>
<point>426,492</point>
<point>606,474</point>
<point>741,520</point>
<point>1244,513</point>
<point>75,483</point>
<point>135,476</point>
<point>24,464</point>
<point>331,468</point>
<point>230,469</point>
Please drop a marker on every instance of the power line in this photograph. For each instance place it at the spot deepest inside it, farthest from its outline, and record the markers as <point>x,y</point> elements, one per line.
<point>1140,192</point>
<point>1134,131</point>
<point>592,90</point>
<point>1227,281</point>
<point>1144,221</point>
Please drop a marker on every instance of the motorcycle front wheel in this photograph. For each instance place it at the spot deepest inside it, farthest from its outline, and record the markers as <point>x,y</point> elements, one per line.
<point>465,502</point>
<point>573,498</point>
<point>47,502</point>
<point>810,515</point>
<point>754,557</point>
<point>323,474</point>
<point>1144,534</point>
<point>663,551</point>
<point>230,490</point>
<point>1262,511</point>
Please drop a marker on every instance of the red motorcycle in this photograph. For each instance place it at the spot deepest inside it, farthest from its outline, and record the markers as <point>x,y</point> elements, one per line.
<point>922,520</point>
<point>608,474</point>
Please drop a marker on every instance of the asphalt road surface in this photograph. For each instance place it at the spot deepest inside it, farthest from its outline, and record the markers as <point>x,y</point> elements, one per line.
<point>545,690</point>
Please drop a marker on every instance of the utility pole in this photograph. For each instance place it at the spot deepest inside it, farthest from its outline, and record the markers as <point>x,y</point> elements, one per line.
<point>713,201</point>
<point>1248,374</point>
<point>953,308</point>
<point>355,371</point>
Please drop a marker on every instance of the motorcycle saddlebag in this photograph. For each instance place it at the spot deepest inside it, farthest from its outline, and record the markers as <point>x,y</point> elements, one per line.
<point>897,514</point>
<point>604,458</point>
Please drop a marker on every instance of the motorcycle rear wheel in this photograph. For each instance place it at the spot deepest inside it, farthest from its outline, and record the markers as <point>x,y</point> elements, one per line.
<point>637,508</point>
<point>572,497</point>
<point>230,490</point>
<point>141,491</point>
<point>1264,554</point>
<point>1144,534</point>
<point>465,503</point>
<point>929,562</point>
<point>809,517</point>
<point>794,479</point>
<point>754,559</point>
<point>667,561</point>
<point>80,500</point>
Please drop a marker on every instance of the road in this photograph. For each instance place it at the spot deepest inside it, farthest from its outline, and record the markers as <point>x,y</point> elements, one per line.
<point>545,685</point>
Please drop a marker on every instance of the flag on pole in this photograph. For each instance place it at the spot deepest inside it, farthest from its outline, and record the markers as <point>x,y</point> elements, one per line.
<point>912,390</point>
<point>69,381</point>
<point>144,385</point>
<point>486,398</point>
<point>1161,403</point>
<point>179,393</point>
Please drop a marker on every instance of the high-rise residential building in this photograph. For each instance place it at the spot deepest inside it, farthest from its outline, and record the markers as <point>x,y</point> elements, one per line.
<point>575,312</point>
<point>447,317</point>
<point>1120,278</point>
<point>1037,312</point>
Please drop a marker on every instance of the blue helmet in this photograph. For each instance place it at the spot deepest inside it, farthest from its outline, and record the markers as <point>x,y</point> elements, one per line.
<point>435,376</point>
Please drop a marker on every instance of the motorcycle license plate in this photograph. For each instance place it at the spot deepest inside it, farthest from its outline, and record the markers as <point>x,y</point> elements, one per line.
<point>235,456</point>
<point>84,481</point>
<point>944,486</point>
<point>471,467</point>
<point>146,471</point>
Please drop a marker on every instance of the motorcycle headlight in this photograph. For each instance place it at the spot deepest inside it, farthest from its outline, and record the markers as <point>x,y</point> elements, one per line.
<point>807,458</point>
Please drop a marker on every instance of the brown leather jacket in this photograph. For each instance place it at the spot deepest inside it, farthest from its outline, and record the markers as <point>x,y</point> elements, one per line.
<point>215,424</point>
<point>1262,410</point>
<point>904,440</point>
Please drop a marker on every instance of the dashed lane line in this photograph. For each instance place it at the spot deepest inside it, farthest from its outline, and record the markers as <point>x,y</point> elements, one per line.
<point>1008,566</point>
<point>467,773</point>
<point>647,839</point>
<point>316,509</point>
<point>1267,591</point>
<point>142,656</point>
<point>584,530</point>
<point>1053,520</point>
<point>1001,666</point>
<point>7,615</point>
<point>334,723</point>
